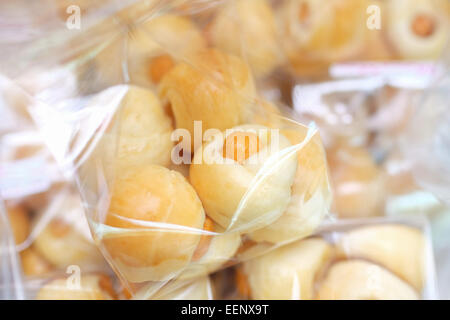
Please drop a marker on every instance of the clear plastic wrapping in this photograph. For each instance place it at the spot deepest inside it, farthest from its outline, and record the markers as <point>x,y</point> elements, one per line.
<point>170,116</point>
<point>360,259</point>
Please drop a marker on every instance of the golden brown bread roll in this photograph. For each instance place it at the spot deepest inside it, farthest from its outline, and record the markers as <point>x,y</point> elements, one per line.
<point>361,280</point>
<point>149,231</point>
<point>91,287</point>
<point>212,87</point>
<point>138,134</point>
<point>247,28</point>
<point>144,130</point>
<point>310,196</point>
<point>399,248</point>
<point>288,272</point>
<point>244,180</point>
<point>316,32</point>
<point>417,29</point>
<point>62,245</point>
<point>66,239</point>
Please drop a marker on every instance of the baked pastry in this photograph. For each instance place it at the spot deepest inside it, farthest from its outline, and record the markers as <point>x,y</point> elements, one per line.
<point>318,32</point>
<point>310,193</point>
<point>150,49</point>
<point>399,248</point>
<point>91,287</point>
<point>247,28</point>
<point>139,133</point>
<point>214,88</point>
<point>287,272</point>
<point>244,177</point>
<point>361,280</point>
<point>148,229</point>
<point>66,239</point>
<point>144,130</point>
<point>357,181</point>
<point>418,29</point>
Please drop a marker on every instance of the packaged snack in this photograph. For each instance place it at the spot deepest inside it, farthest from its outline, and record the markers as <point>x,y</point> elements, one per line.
<point>317,33</point>
<point>417,29</point>
<point>366,259</point>
<point>169,117</point>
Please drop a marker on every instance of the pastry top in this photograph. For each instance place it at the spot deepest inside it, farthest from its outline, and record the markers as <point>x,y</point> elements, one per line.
<point>212,87</point>
<point>322,30</point>
<point>288,272</point>
<point>239,178</point>
<point>311,194</point>
<point>138,134</point>
<point>418,29</point>
<point>153,224</point>
<point>144,129</point>
<point>400,248</point>
<point>154,193</point>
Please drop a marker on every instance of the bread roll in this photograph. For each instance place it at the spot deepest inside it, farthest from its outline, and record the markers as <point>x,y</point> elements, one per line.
<point>247,28</point>
<point>310,196</point>
<point>144,130</point>
<point>399,248</point>
<point>361,280</point>
<point>244,180</point>
<point>62,245</point>
<point>288,272</point>
<point>317,32</point>
<point>138,134</point>
<point>149,231</point>
<point>214,88</point>
<point>418,29</point>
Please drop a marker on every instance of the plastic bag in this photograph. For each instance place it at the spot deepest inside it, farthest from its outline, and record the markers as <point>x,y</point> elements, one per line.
<point>367,259</point>
<point>258,179</point>
<point>117,101</point>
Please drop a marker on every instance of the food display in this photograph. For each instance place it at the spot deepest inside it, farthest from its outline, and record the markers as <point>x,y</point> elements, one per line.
<point>243,149</point>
